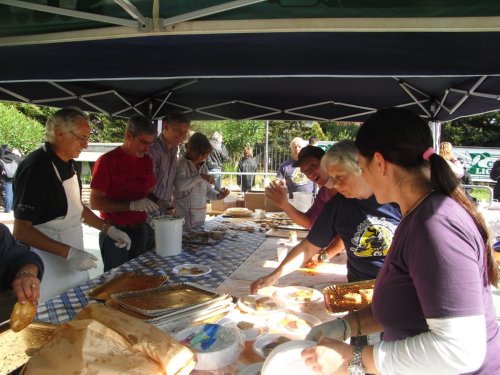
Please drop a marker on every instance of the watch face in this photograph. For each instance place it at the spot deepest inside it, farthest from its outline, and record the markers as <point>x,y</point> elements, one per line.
<point>355,370</point>
<point>323,257</point>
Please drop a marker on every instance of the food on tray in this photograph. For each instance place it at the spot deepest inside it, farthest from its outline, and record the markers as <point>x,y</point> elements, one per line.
<point>101,336</point>
<point>302,295</point>
<point>205,237</point>
<point>191,271</point>
<point>294,323</point>
<point>238,211</point>
<point>22,315</point>
<point>366,295</point>
<point>245,325</point>
<point>344,297</point>
<point>352,298</point>
<point>268,348</point>
<point>260,303</point>
<point>126,282</point>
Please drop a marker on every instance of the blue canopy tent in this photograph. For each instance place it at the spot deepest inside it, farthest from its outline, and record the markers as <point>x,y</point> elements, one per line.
<point>248,59</point>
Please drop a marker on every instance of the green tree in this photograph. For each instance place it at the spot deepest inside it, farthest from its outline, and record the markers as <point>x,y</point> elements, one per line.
<point>19,131</point>
<point>338,131</point>
<point>481,131</point>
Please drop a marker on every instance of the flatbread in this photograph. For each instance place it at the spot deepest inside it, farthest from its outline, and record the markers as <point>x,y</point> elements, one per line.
<point>22,316</point>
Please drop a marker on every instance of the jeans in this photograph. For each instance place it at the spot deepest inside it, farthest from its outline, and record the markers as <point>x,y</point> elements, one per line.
<point>9,196</point>
<point>143,239</point>
<point>216,177</point>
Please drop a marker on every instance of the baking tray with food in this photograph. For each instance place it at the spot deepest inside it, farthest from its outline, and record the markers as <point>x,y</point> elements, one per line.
<point>126,282</point>
<point>345,297</point>
<point>17,347</point>
<point>204,237</point>
<point>165,299</point>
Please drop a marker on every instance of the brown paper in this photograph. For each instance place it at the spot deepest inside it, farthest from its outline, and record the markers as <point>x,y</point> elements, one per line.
<point>103,340</point>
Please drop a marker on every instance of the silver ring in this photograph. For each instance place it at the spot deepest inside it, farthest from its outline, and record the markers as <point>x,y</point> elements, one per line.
<point>34,286</point>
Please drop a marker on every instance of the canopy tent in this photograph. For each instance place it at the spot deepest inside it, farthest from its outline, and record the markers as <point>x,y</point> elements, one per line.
<point>248,59</point>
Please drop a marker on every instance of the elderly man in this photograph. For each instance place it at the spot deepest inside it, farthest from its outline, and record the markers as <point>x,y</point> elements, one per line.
<point>294,179</point>
<point>122,189</point>
<point>49,212</point>
<point>163,152</point>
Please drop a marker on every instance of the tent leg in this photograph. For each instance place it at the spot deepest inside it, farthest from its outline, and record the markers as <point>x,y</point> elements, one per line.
<point>436,133</point>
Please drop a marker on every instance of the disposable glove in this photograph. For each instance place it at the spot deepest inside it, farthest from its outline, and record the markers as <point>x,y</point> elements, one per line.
<point>81,260</point>
<point>338,329</point>
<point>122,240</point>
<point>143,204</point>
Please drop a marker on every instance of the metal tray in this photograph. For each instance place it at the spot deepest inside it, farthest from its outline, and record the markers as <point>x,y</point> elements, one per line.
<point>203,238</point>
<point>333,294</point>
<point>17,347</point>
<point>126,282</point>
<point>165,299</point>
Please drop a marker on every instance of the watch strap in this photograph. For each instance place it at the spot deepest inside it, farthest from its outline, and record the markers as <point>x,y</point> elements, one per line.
<point>356,365</point>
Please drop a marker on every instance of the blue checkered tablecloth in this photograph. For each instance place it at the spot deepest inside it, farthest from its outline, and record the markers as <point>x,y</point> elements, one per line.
<point>223,258</point>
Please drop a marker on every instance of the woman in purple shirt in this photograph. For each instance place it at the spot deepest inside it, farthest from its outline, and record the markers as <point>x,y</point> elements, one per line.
<point>432,298</point>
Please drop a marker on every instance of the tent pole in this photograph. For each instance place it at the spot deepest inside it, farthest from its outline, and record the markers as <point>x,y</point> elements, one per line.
<point>266,155</point>
<point>436,133</point>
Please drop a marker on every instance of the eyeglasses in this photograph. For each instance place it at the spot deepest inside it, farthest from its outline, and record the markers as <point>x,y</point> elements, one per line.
<point>144,142</point>
<point>81,138</point>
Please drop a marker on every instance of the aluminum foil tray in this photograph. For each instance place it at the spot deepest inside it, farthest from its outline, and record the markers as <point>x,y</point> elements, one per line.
<point>167,299</point>
<point>17,347</point>
<point>126,282</point>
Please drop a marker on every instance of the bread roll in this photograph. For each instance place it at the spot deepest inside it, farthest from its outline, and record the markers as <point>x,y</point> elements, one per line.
<point>366,295</point>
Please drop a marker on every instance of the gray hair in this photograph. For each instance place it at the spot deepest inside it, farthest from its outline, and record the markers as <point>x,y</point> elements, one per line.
<point>343,153</point>
<point>139,124</point>
<point>65,120</point>
<point>299,141</point>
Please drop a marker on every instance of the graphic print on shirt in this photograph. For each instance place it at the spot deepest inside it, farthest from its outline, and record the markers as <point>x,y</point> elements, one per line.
<point>373,237</point>
<point>298,178</point>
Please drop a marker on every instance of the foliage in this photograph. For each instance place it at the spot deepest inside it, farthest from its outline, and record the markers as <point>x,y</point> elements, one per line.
<point>481,131</point>
<point>106,129</point>
<point>19,131</point>
<point>236,134</point>
<point>338,131</point>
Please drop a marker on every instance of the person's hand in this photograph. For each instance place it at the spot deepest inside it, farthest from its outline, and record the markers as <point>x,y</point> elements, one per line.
<point>329,357</point>
<point>26,285</point>
<point>143,204</point>
<point>209,178</point>
<point>275,192</point>
<point>122,240</point>
<point>81,260</point>
<point>164,205</point>
<point>262,282</point>
<point>338,329</point>
<point>223,193</point>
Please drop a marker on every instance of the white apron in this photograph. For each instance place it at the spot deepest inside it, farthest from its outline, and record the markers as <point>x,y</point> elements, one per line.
<point>59,275</point>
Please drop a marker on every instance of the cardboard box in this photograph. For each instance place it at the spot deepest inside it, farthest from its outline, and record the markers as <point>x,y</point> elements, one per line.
<point>223,204</point>
<point>255,200</point>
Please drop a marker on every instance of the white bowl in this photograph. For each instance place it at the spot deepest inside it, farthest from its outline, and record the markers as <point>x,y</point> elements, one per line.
<point>224,351</point>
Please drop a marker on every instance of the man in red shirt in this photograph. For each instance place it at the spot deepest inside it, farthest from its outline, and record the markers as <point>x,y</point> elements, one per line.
<point>121,188</point>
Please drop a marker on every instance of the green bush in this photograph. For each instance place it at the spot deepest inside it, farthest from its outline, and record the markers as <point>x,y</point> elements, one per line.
<point>18,131</point>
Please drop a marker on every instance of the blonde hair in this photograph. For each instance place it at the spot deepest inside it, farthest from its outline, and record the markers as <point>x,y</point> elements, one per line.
<point>248,152</point>
<point>445,150</point>
<point>343,153</point>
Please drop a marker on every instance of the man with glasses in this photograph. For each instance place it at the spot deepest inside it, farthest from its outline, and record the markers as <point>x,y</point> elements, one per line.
<point>163,152</point>
<point>48,212</point>
<point>122,189</point>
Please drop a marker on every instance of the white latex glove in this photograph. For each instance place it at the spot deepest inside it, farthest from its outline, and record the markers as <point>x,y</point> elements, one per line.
<point>81,260</point>
<point>120,237</point>
<point>338,329</point>
<point>143,204</point>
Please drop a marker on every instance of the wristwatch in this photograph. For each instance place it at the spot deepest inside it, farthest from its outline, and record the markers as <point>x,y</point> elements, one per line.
<point>356,366</point>
<point>323,257</point>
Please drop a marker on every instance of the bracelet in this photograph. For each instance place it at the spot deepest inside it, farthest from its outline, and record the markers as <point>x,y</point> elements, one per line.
<point>26,273</point>
<point>358,322</point>
<point>345,329</point>
<point>103,229</point>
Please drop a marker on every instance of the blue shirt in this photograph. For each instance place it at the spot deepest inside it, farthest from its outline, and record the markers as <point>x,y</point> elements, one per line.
<point>366,228</point>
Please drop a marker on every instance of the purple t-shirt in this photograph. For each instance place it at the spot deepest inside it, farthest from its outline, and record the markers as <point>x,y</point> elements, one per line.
<point>435,268</point>
<point>320,200</point>
<point>295,179</point>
